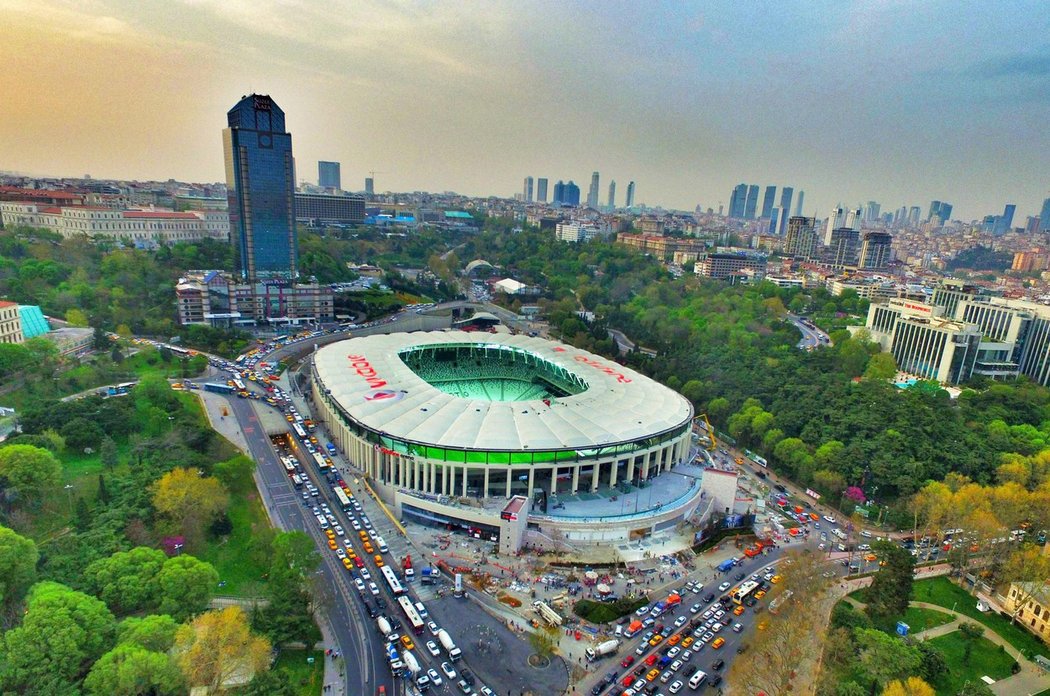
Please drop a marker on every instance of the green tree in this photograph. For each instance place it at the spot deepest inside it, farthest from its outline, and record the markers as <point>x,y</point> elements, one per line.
<point>974,688</point>
<point>130,670</point>
<point>934,665</point>
<point>885,657</point>
<point>154,632</point>
<point>890,590</point>
<point>107,453</point>
<point>18,557</point>
<point>970,632</point>
<point>62,633</point>
<point>81,433</point>
<point>881,366</point>
<point>236,473</point>
<point>185,586</point>
<point>29,470</point>
<point>127,580</point>
<point>272,683</point>
<point>288,616</point>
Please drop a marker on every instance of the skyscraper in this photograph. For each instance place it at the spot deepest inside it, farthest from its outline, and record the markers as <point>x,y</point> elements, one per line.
<point>612,194</point>
<point>1044,217</point>
<point>737,199</point>
<point>871,211</point>
<point>785,201</point>
<point>328,175</point>
<point>801,238</point>
<point>941,210</point>
<point>370,187</point>
<point>541,190</point>
<point>629,203</point>
<point>798,207</point>
<point>875,249</point>
<point>592,194</point>
<point>768,200</point>
<point>836,219</point>
<point>1005,222</point>
<point>559,192</point>
<point>526,193</point>
<point>752,202</point>
<point>572,194</point>
<point>853,218</point>
<point>914,213</point>
<point>260,184</point>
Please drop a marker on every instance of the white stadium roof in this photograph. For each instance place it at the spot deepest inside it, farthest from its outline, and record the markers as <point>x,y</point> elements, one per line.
<point>620,405</point>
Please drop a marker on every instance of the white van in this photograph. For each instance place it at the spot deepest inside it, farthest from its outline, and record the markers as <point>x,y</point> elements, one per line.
<point>382,545</point>
<point>619,630</point>
<point>697,679</point>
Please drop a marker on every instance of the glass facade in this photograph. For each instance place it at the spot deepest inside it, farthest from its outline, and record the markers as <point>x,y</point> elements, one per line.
<point>260,180</point>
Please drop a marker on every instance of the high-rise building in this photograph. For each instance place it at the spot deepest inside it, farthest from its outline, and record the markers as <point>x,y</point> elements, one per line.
<point>737,199</point>
<point>875,249</point>
<point>801,239</point>
<point>786,194</point>
<point>592,194</point>
<point>566,194</point>
<point>940,210</point>
<point>526,192</point>
<point>751,204</point>
<point>541,190</point>
<point>260,184</point>
<point>629,203</point>
<point>853,218</point>
<point>836,219</point>
<point>370,187</point>
<point>778,221</point>
<point>612,194</point>
<point>1044,217</point>
<point>798,206</point>
<point>1005,222</point>
<point>768,199</point>
<point>914,213</point>
<point>843,248</point>
<point>328,175</point>
<point>871,211</point>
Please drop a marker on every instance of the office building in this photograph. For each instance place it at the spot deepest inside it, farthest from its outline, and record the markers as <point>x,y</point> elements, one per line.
<point>768,199</point>
<point>798,207</point>
<point>629,203</point>
<point>566,194</point>
<point>940,210</point>
<point>612,194</point>
<point>871,211</point>
<point>724,265</point>
<point>541,190</point>
<point>875,250</point>
<point>1005,222</point>
<point>836,220</point>
<point>370,188</point>
<point>843,249</point>
<point>751,203</point>
<point>526,193</point>
<point>923,342</point>
<point>801,239</point>
<point>737,200</point>
<point>786,194</point>
<point>592,194</point>
<point>914,214</point>
<point>1044,217</point>
<point>260,184</point>
<point>319,209</point>
<point>10,323</point>
<point>328,175</point>
<point>216,298</point>
<point>774,217</point>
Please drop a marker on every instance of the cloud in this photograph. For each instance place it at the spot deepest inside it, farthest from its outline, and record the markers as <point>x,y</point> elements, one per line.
<point>1017,65</point>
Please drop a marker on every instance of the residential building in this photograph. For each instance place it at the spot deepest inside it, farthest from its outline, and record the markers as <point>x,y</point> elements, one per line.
<point>661,247</point>
<point>260,184</point>
<point>576,231</point>
<point>216,298</point>
<point>843,249</point>
<point>1030,601</point>
<point>328,175</point>
<point>723,265</point>
<point>875,250</point>
<point>541,190</point>
<point>1027,261</point>
<point>526,192</point>
<point>325,209</point>
<point>10,323</point>
<point>801,239</point>
<point>629,203</point>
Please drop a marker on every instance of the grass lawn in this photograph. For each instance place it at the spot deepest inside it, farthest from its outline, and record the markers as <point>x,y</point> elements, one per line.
<point>985,659</point>
<point>238,567</point>
<point>605,612</point>
<point>306,677</point>
<point>922,619</point>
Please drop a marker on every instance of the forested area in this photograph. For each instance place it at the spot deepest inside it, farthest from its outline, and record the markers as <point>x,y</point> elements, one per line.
<point>116,516</point>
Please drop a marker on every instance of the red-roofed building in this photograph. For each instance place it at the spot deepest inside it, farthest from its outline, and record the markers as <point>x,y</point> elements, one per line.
<point>142,227</point>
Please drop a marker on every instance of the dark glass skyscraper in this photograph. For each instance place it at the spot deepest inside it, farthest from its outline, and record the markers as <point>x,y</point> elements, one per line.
<point>328,175</point>
<point>768,199</point>
<point>737,200</point>
<point>752,202</point>
<point>1044,217</point>
<point>786,194</point>
<point>260,182</point>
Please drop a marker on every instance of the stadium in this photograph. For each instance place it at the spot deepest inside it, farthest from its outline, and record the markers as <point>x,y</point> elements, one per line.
<point>450,426</point>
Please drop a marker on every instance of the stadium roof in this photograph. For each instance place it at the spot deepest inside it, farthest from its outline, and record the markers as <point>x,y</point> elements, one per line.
<point>371,382</point>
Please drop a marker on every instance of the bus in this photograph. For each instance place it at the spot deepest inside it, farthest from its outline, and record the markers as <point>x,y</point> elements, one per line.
<point>392,582</point>
<point>218,388</point>
<point>757,459</point>
<point>744,591</point>
<point>322,465</point>
<point>410,613</point>
<point>239,384</point>
<point>289,464</point>
<point>340,495</point>
<point>299,431</point>
<point>297,481</point>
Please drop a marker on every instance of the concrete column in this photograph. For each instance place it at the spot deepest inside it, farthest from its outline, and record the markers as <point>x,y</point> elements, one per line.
<point>510,475</point>
<point>645,465</point>
<point>554,480</point>
<point>612,473</point>
<point>485,493</point>
<point>575,478</point>
<point>594,477</point>
<point>630,469</point>
<point>465,478</point>
<point>532,482</point>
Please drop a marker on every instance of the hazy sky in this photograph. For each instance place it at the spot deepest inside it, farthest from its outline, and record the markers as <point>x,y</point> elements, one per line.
<point>892,101</point>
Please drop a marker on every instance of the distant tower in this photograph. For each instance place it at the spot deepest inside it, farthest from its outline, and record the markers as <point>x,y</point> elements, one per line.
<point>370,187</point>
<point>541,190</point>
<point>526,193</point>
<point>786,194</point>
<point>260,185</point>
<point>798,206</point>
<point>592,194</point>
<point>612,194</point>
<point>737,199</point>
<point>751,204</point>
<point>768,200</point>
<point>629,203</point>
<point>836,219</point>
<point>1005,223</point>
<point>328,175</point>
<point>572,194</point>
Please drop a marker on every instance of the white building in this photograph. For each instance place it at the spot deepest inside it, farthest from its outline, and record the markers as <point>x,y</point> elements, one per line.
<point>159,226</point>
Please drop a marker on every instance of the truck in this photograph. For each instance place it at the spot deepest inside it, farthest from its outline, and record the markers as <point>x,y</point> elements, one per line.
<point>668,604</point>
<point>454,653</point>
<point>383,624</point>
<point>412,665</point>
<point>428,575</point>
<point>546,613</point>
<point>633,629</point>
<point>602,650</point>
<point>726,565</point>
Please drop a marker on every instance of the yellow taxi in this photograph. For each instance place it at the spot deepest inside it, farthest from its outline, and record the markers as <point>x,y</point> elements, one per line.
<point>368,548</point>
<point>675,639</point>
<point>687,641</point>
<point>870,557</point>
<point>656,640</point>
<point>775,579</point>
<point>652,675</point>
<point>718,642</point>
<point>760,594</point>
<point>739,610</point>
<point>329,533</point>
<point>378,558</point>
<point>407,642</point>
<point>332,545</point>
<point>348,564</point>
<point>762,625</point>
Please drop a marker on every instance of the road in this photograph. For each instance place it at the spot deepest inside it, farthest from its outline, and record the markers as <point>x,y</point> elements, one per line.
<point>812,337</point>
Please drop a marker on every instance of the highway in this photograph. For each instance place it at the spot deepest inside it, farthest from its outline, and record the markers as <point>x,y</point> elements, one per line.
<point>812,337</point>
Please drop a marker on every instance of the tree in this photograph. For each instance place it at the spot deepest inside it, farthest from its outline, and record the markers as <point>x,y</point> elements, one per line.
<point>107,453</point>
<point>62,633</point>
<point>934,665</point>
<point>544,641</point>
<point>970,632</point>
<point>127,580</point>
<point>890,590</point>
<point>1027,569</point>
<point>130,670</point>
<point>29,470</point>
<point>18,557</point>
<point>81,433</point>
<point>885,657</point>
<point>288,616</point>
<point>185,586</point>
<point>154,632</point>
<point>272,683</point>
<point>912,686</point>
<point>881,366</point>
<point>189,500</point>
<point>236,473</point>
<point>974,688</point>
<point>217,646</point>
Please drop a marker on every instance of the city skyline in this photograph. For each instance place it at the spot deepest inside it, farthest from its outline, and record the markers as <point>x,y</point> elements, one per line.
<point>882,108</point>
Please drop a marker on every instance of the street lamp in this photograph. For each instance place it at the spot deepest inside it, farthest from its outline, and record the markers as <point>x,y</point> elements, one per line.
<point>69,496</point>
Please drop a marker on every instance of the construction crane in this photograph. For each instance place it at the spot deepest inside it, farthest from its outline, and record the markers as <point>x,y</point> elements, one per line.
<point>710,431</point>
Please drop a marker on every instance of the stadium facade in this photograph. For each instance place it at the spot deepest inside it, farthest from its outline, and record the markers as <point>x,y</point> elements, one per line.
<point>456,424</point>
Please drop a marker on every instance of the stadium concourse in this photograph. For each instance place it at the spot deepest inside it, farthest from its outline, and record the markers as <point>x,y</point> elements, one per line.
<point>452,427</point>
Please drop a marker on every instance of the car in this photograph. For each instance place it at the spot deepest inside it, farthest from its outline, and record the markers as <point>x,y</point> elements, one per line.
<point>742,648</point>
<point>715,680</point>
<point>675,687</point>
<point>651,660</point>
<point>673,652</point>
<point>649,622</point>
<point>675,666</point>
<point>865,533</point>
<point>433,627</point>
<point>740,576</point>
<point>724,586</point>
<point>359,584</point>
<point>762,625</point>
<point>652,674</point>
<point>739,610</point>
<point>718,642</point>
<point>647,635</point>
<point>695,609</point>
<point>720,613</point>
<point>464,686</point>
<point>738,627</point>
<point>447,669</point>
<point>643,610</point>
<point>709,597</point>
<point>434,677</point>
<point>666,677</point>
<point>655,640</point>
<point>627,661</point>
<point>628,680</point>
<point>829,519</point>
<point>708,637</point>
<point>433,649</point>
<point>775,579</point>
<point>716,627</point>
<point>760,594</point>
<point>365,574</point>
<point>675,639</point>
<point>687,641</point>
<point>659,628</point>
<point>718,665</point>
<point>374,589</point>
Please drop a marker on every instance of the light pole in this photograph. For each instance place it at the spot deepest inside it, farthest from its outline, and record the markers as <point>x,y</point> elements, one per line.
<point>69,496</point>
